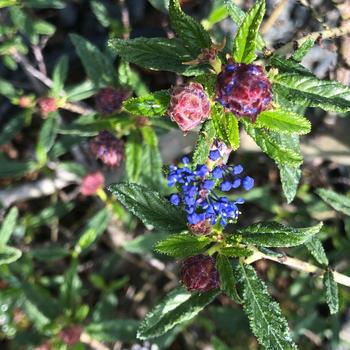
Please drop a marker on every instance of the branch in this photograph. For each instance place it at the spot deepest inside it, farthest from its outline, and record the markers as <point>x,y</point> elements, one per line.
<point>298,265</point>
<point>274,16</point>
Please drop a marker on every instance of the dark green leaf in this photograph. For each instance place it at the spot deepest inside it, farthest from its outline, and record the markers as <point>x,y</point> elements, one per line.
<point>161,5</point>
<point>8,225</point>
<point>245,43</point>
<point>303,49</point>
<point>177,307</point>
<point>158,54</point>
<point>192,33</point>
<point>236,252</point>
<point>150,207</point>
<point>14,168</point>
<point>337,201</point>
<point>151,105</point>
<point>41,4</point>
<point>59,75</point>
<point>133,153</point>
<point>273,234</point>
<point>290,177</point>
<point>332,294</point>
<point>204,142</point>
<point>265,317</point>
<point>47,137</point>
<point>311,92</point>
<point>81,91</point>
<point>11,128</point>
<point>9,255</point>
<point>286,65</point>
<point>315,247</point>
<point>49,253</point>
<point>182,245</point>
<point>101,12</point>
<point>144,243</point>
<point>227,279</point>
<point>129,77</point>
<point>6,89</point>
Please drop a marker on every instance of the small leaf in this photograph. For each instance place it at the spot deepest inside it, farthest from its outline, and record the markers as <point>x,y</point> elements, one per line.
<point>245,40</point>
<point>59,75</point>
<point>11,128</point>
<point>157,54</point>
<point>290,178</point>
<point>227,279</point>
<point>9,255</point>
<point>8,225</point>
<point>303,49</point>
<point>144,243</point>
<point>182,245</point>
<point>284,122</point>
<point>311,92</point>
<point>151,105</point>
<point>161,5</point>
<point>129,77</point>
<point>177,307</point>
<point>187,29</point>
<point>265,317</point>
<point>332,294</point>
<point>204,142</point>
<point>133,153</point>
<point>11,168</point>
<point>288,65</point>
<point>273,234</point>
<point>219,344</point>
<point>236,252</point>
<point>47,137</point>
<point>49,253</point>
<point>337,201</point>
<point>315,247</point>
<point>150,207</point>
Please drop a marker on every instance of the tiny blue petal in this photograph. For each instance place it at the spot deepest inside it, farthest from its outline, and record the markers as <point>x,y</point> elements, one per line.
<point>208,184</point>
<point>236,183</point>
<point>202,170</point>
<point>217,173</point>
<point>239,201</point>
<point>237,169</point>
<point>248,183</point>
<point>185,160</point>
<point>214,155</point>
<point>175,199</point>
<point>225,186</point>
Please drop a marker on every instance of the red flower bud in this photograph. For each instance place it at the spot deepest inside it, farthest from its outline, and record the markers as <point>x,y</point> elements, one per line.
<point>109,99</point>
<point>199,273</point>
<point>91,183</point>
<point>243,89</point>
<point>71,335</point>
<point>47,105</point>
<point>189,106</point>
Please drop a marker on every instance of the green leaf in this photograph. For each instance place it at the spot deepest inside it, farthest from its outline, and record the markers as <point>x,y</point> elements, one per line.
<point>177,307</point>
<point>236,252</point>
<point>217,14</point>
<point>204,143</point>
<point>284,122</point>
<point>98,66</point>
<point>115,330</point>
<point>157,54</point>
<point>129,77</point>
<point>265,317</point>
<point>311,92</point>
<point>59,75</point>
<point>245,42</point>
<point>227,279</point>
<point>303,49</point>
<point>150,207</point>
<point>8,225</point>
<point>219,344</point>
<point>101,12</point>
<point>151,105</point>
<point>273,234</point>
<point>42,4</point>
<point>270,143</point>
<point>226,126</point>
<point>8,3</point>
<point>182,245</point>
<point>286,65</point>
<point>315,247</point>
<point>332,294</point>
<point>11,128</point>
<point>161,5</point>
<point>80,91</point>
<point>49,253</point>
<point>47,137</point>
<point>14,168</point>
<point>7,89</point>
<point>9,255</point>
<point>133,153</point>
<point>337,201</point>
<point>290,178</point>
<point>95,227</point>
<point>144,243</point>
<point>192,33</point>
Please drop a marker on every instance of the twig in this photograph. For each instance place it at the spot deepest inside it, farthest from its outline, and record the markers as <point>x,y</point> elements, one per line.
<point>326,34</point>
<point>38,54</point>
<point>274,16</point>
<point>125,19</point>
<point>298,265</point>
<point>93,343</point>
<point>77,108</point>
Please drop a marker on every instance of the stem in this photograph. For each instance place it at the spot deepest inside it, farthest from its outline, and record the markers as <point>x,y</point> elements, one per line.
<point>274,16</point>
<point>298,265</point>
<point>92,343</point>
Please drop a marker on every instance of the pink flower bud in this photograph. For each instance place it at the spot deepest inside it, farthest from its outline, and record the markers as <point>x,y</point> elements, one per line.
<point>201,228</point>
<point>189,106</point>
<point>44,346</point>
<point>47,105</point>
<point>71,335</point>
<point>109,99</point>
<point>91,183</point>
<point>108,148</point>
<point>199,273</point>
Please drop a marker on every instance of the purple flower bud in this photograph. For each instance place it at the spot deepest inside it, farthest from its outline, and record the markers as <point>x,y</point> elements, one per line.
<point>201,228</point>
<point>110,99</point>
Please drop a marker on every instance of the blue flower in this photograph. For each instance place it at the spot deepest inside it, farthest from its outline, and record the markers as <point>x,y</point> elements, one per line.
<point>217,172</point>
<point>214,155</point>
<point>248,183</point>
<point>175,199</point>
<point>226,186</point>
<point>208,184</point>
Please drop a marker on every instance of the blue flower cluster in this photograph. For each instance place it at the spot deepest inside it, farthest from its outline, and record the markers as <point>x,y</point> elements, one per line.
<point>197,193</point>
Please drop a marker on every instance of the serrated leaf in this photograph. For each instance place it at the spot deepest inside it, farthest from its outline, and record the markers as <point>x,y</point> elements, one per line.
<point>332,294</point>
<point>208,81</point>
<point>191,32</point>
<point>133,153</point>
<point>8,225</point>
<point>98,66</point>
<point>177,307</point>
<point>182,245</point>
<point>9,255</point>
<point>304,48</point>
<point>158,54</point>
<point>236,251</point>
<point>11,128</point>
<point>204,141</point>
<point>131,78</point>
<point>244,46</point>
<point>150,207</point>
<point>151,105</point>
<point>337,201</point>
<point>273,234</point>
<point>265,317</point>
<point>311,92</point>
<point>47,137</point>
<point>226,127</point>
<point>290,178</point>
<point>315,247</point>
<point>284,122</point>
<point>59,75</point>
<point>288,65</point>
<point>227,279</point>
<point>271,145</point>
